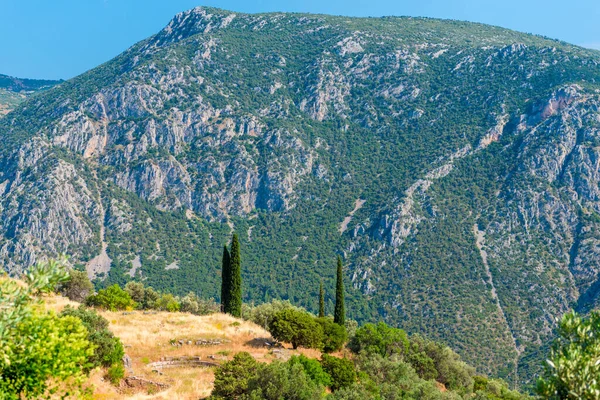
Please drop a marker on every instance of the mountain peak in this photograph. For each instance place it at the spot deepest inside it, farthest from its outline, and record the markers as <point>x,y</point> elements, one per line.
<point>191,22</point>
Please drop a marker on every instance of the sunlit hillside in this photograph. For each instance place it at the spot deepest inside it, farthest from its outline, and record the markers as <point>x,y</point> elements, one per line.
<point>150,337</point>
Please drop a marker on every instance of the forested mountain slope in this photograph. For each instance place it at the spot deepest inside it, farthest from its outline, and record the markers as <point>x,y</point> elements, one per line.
<point>455,166</point>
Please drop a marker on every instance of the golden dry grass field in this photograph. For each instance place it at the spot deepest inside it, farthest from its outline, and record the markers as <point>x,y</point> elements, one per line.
<point>147,338</point>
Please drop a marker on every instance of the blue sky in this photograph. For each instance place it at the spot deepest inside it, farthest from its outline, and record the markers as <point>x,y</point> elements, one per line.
<point>62,38</point>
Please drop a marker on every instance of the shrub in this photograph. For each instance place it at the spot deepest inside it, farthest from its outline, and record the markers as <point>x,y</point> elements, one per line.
<point>193,304</point>
<point>334,335</point>
<point>151,297</point>
<point>445,366</point>
<point>381,339</point>
<point>167,302</point>
<point>263,314</point>
<point>573,369</point>
<point>296,327</point>
<point>108,349</point>
<point>313,369</point>
<point>189,304</point>
<point>279,380</point>
<point>354,392</point>
<point>39,351</point>
<point>112,298</point>
<point>78,287</point>
<point>136,291</point>
<point>341,370</point>
<point>232,377</point>
<point>115,373</point>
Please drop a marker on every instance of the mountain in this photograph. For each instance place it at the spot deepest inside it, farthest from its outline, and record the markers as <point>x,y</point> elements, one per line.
<point>14,91</point>
<point>453,165</point>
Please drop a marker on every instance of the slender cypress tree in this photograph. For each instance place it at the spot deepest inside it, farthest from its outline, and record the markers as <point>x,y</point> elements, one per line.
<point>225,278</point>
<point>339,316</point>
<point>321,301</point>
<point>235,280</point>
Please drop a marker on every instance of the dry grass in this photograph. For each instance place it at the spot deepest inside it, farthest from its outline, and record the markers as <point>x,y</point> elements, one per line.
<point>147,338</point>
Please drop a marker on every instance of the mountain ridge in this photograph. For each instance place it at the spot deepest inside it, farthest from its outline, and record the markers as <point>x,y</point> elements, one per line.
<point>279,125</point>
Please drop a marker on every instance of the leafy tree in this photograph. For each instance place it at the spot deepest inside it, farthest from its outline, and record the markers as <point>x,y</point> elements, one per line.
<point>380,339</point>
<point>573,369</point>
<point>112,298</point>
<point>296,327</point>
<point>167,302</point>
<point>78,287</point>
<point>321,301</point>
<point>232,377</point>
<point>263,314</point>
<point>334,335</point>
<point>40,353</point>
<point>341,370</point>
<point>313,369</point>
<point>288,381</point>
<point>234,296</point>
<point>151,298</point>
<point>136,291</point>
<point>339,316</point>
<point>108,350</point>
<point>225,278</point>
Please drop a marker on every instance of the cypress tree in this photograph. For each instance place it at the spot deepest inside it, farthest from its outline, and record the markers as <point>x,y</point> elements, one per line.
<point>234,299</point>
<point>339,316</point>
<point>321,301</point>
<point>225,278</point>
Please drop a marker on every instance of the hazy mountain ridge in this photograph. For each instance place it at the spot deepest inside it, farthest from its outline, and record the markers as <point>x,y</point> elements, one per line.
<point>431,145</point>
<point>13,91</point>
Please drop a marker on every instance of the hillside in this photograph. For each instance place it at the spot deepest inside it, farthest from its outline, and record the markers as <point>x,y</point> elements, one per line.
<point>13,91</point>
<point>147,337</point>
<point>453,165</point>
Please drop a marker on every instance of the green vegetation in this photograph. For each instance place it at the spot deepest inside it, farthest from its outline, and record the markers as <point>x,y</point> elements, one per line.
<point>573,369</point>
<point>234,296</point>
<point>78,287</point>
<point>108,349</point>
<point>339,315</point>
<point>321,301</point>
<point>40,353</point>
<point>341,126</point>
<point>112,298</point>
<point>296,327</point>
<point>225,278</point>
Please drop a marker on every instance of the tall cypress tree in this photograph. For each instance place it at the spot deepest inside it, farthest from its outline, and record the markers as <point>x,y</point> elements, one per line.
<point>225,278</point>
<point>234,306</point>
<point>321,301</point>
<point>339,316</point>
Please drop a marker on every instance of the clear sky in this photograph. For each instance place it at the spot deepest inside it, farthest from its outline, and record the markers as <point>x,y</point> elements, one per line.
<point>62,38</point>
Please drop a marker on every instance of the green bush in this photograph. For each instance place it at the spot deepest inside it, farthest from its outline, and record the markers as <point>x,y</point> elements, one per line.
<point>167,302</point>
<point>193,304</point>
<point>232,377</point>
<point>381,339</point>
<point>112,298</point>
<point>108,350</point>
<point>334,335</point>
<point>313,369</point>
<point>136,291</point>
<point>78,287</point>
<point>341,370</point>
<point>279,380</point>
<point>445,366</point>
<point>296,327</point>
<point>263,314</point>
<point>115,373</point>
<point>573,368</point>
<point>39,351</point>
